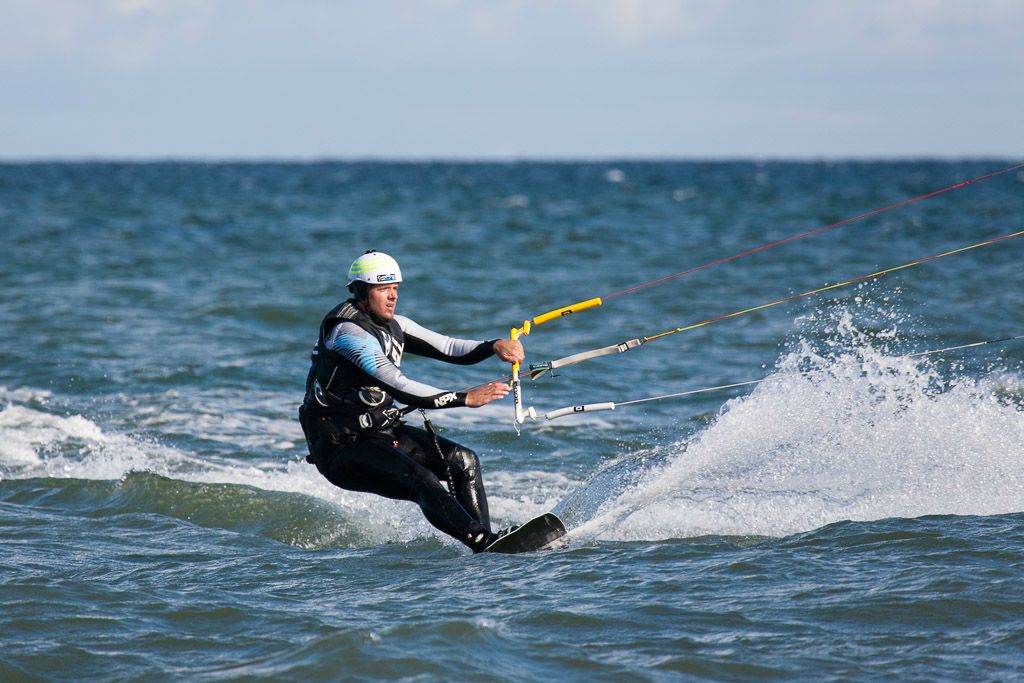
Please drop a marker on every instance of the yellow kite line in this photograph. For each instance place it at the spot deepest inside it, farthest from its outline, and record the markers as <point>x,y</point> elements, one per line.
<point>538,369</point>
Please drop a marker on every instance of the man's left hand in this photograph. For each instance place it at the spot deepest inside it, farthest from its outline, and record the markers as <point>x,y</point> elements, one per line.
<point>509,351</point>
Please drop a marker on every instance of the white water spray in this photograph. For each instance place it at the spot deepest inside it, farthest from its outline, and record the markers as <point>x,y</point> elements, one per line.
<point>854,435</point>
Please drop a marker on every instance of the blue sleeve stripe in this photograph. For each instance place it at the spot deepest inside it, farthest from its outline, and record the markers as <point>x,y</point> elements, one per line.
<point>364,352</point>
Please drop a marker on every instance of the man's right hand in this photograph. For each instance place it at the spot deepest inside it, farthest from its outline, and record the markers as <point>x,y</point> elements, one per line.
<point>509,350</point>
<point>482,395</point>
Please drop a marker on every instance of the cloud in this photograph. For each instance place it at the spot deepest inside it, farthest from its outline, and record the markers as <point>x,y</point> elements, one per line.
<point>640,20</point>
<point>120,34</point>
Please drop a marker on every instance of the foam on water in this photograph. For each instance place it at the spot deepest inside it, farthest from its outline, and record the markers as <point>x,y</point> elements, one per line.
<point>852,434</point>
<point>35,442</point>
<point>255,425</point>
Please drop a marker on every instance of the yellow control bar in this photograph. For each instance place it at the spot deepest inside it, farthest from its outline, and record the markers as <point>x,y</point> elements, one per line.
<point>566,310</point>
<point>552,315</point>
<point>517,391</point>
<point>521,413</point>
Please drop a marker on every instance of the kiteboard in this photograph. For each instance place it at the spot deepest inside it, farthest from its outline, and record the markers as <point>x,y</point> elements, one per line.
<point>541,533</point>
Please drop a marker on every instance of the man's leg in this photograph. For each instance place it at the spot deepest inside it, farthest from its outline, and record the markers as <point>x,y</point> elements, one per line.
<point>454,460</point>
<point>373,465</point>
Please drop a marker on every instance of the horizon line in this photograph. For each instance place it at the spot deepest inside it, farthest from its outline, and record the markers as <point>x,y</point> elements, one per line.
<point>483,159</point>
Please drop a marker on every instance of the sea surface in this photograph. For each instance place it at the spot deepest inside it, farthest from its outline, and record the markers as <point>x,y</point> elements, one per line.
<point>857,515</point>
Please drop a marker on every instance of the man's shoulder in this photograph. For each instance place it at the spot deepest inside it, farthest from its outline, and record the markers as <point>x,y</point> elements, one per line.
<point>346,310</point>
<point>412,329</point>
<point>347,328</point>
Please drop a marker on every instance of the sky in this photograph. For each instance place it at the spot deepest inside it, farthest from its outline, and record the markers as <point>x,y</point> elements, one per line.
<point>511,79</point>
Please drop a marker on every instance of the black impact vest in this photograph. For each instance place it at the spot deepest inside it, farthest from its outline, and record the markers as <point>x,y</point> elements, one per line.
<point>336,387</point>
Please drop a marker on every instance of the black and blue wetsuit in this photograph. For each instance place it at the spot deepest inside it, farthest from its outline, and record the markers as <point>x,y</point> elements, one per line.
<point>352,425</point>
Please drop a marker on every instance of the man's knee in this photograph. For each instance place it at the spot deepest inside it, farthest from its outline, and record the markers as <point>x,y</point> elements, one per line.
<point>465,460</point>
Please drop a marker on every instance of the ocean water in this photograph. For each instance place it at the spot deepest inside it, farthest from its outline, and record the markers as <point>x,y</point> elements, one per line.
<point>857,515</point>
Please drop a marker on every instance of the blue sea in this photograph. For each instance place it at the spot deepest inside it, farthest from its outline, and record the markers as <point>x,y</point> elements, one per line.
<point>857,515</point>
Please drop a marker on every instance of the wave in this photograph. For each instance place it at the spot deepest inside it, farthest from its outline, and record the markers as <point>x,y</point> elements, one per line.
<point>851,433</point>
<point>74,464</point>
<point>291,518</point>
<point>844,428</point>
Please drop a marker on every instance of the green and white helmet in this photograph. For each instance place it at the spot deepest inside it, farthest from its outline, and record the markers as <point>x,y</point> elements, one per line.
<point>374,268</point>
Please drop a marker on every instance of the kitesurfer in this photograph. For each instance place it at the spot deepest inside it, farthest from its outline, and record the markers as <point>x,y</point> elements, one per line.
<point>353,429</point>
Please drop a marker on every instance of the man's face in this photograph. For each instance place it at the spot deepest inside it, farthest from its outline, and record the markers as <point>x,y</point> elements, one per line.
<point>381,300</point>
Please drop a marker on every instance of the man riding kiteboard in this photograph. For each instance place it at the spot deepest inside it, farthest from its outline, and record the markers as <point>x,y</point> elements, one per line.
<point>353,429</point>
